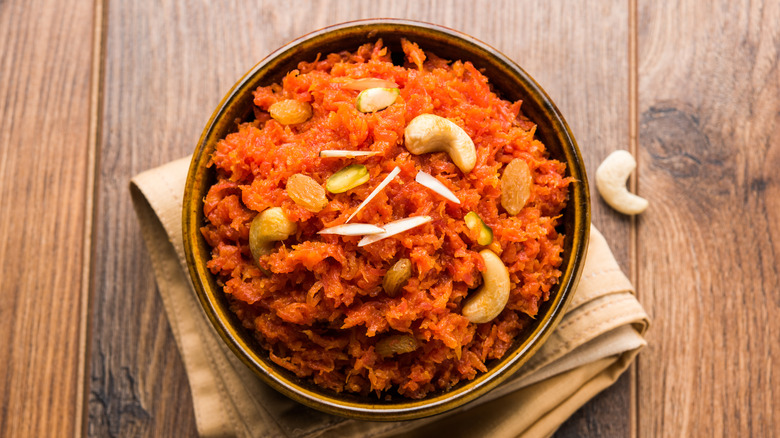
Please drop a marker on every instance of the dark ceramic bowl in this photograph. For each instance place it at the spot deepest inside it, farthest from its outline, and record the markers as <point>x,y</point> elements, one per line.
<point>512,83</point>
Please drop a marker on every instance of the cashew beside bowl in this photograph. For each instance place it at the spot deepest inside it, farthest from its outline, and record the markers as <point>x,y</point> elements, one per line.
<point>269,226</point>
<point>431,133</point>
<point>611,179</point>
<point>491,298</point>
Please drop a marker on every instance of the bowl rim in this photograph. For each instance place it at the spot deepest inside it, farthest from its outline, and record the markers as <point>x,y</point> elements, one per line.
<point>407,409</point>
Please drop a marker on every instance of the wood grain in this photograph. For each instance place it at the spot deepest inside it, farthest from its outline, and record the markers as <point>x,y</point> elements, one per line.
<point>44,126</point>
<point>167,66</point>
<point>706,255</point>
<point>709,91</point>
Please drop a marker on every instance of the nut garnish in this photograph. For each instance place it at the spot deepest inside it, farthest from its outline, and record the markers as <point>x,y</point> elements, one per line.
<point>437,186</point>
<point>347,178</point>
<point>366,83</point>
<point>376,99</point>
<point>611,179</point>
<point>474,222</point>
<point>491,298</point>
<point>269,226</point>
<point>431,133</point>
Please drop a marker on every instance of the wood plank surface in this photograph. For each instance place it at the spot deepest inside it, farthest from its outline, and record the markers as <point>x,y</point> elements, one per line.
<point>705,261</point>
<point>167,66</point>
<point>709,89</point>
<point>44,188</point>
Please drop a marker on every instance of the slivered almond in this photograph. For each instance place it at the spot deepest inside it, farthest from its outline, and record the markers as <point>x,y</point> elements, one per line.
<point>352,230</point>
<point>378,189</point>
<point>436,185</point>
<point>396,227</point>
<point>366,83</point>
<point>346,154</point>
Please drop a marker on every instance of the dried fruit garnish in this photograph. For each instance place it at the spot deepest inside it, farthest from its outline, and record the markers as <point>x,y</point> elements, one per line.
<point>397,276</point>
<point>306,192</point>
<point>394,228</point>
<point>474,222</point>
<point>378,189</point>
<point>436,185</point>
<point>515,186</point>
<point>376,99</point>
<point>270,226</point>
<point>491,298</point>
<point>396,344</point>
<point>428,133</point>
<point>347,178</point>
<point>346,154</point>
<point>352,230</point>
<point>290,111</point>
<point>366,83</point>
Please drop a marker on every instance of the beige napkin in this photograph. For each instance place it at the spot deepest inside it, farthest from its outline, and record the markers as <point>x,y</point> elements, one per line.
<point>595,342</point>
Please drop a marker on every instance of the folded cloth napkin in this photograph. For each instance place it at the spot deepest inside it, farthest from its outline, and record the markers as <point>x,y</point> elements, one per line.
<point>595,342</point>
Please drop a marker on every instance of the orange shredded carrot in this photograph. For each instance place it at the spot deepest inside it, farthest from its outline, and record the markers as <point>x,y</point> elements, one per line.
<point>322,308</point>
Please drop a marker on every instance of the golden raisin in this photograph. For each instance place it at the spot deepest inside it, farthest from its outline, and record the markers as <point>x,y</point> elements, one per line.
<point>397,276</point>
<point>396,344</point>
<point>515,186</point>
<point>305,191</point>
<point>290,111</point>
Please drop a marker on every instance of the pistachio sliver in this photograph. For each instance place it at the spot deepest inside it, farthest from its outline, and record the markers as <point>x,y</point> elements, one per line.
<point>347,178</point>
<point>375,99</point>
<point>474,222</point>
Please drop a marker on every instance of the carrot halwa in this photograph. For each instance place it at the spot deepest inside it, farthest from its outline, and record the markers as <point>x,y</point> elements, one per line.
<point>315,301</point>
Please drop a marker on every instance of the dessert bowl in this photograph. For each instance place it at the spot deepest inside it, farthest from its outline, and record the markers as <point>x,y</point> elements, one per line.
<point>511,83</point>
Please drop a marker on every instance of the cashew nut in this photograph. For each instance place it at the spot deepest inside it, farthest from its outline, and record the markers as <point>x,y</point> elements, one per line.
<point>491,298</point>
<point>431,133</point>
<point>269,226</point>
<point>611,179</point>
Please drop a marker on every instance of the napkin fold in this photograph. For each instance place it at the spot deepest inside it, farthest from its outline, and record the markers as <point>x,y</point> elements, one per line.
<point>595,342</point>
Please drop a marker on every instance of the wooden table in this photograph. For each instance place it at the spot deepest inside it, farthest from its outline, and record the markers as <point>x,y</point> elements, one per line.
<point>92,93</point>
